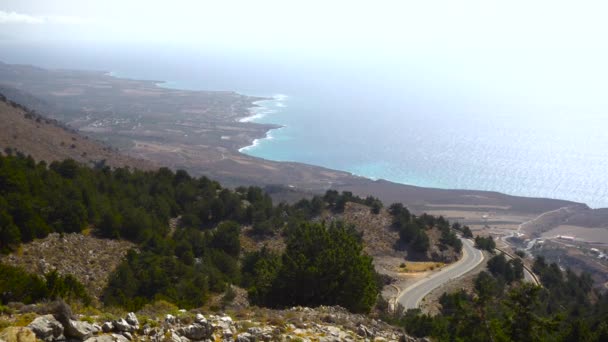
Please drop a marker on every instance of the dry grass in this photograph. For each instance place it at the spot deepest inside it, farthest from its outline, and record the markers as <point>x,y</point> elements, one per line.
<point>24,320</point>
<point>419,266</point>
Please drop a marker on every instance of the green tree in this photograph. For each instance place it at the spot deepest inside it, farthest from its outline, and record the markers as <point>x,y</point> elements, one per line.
<point>321,265</point>
<point>226,238</point>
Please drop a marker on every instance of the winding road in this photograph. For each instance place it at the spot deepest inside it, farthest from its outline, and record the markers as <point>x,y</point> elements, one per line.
<point>411,297</point>
<point>471,257</point>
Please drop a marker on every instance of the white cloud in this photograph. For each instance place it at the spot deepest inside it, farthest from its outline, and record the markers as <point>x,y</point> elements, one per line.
<point>20,18</point>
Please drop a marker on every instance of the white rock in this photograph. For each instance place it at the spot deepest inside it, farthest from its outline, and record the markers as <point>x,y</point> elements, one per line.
<point>122,325</point>
<point>197,331</point>
<point>132,320</point>
<point>175,337</point>
<point>107,327</point>
<point>170,319</point>
<point>200,319</point>
<point>80,330</point>
<point>46,328</point>
<point>245,337</point>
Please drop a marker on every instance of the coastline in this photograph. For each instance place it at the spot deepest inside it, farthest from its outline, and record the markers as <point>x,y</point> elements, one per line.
<point>203,131</point>
<point>259,111</point>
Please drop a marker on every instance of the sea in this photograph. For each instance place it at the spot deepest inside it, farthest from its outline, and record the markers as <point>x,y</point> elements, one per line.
<point>523,127</point>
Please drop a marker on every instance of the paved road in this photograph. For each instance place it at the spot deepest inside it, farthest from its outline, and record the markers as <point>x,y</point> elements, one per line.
<point>471,257</point>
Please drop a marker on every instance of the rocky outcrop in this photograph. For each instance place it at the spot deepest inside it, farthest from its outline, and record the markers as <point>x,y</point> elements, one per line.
<point>47,328</point>
<point>60,327</point>
<point>327,324</point>
<point>200,330</point>
<point>80,330</point>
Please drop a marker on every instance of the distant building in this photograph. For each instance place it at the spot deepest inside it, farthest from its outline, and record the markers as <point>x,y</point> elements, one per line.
<point>566,237</point>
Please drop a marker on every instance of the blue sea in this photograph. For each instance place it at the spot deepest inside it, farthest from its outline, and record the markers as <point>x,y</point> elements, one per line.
<point>524,128</point>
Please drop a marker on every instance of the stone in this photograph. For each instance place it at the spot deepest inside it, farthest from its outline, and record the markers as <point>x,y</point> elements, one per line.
<point>46,328</point>
<point>121,325</point>
<point>246,337</point>
<point>17,334</point>
<point>227,335</point>
<point>363,331</point>
<point>328,339</point>
<point>255,330</point>
<point>147,330</point>
<point>170,319</point>
<point>175,337</point>
<point>79,330</point>
<point>200,319</point>
<point>197,331</point>
<point>119,338</point>
<point>128,336</point>
<point>107,327</point>
<point>132,320</point>
<point>101,338</point>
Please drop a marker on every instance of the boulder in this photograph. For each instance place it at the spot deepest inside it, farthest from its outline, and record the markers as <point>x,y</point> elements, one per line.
<point>17,334</point>
<point>196,331</point>
<point>128,336</point>
<point>46,328</point>
<point>107,327</point>
<point>80,330</point>
<point>132,320</point>
<point>121,326</point>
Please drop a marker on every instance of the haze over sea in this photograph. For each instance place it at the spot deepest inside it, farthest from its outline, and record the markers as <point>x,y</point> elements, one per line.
<point>521,125</point>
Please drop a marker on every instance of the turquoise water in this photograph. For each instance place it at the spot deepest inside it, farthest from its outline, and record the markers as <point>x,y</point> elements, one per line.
<point>413,121</point>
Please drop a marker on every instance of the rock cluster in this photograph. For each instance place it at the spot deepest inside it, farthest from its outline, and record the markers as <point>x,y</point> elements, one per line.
<point>48,328</point>
<point>324,324</point>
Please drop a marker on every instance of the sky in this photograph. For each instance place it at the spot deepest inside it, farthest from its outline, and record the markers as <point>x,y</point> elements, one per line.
<point>553,49</point>
<point>313,24</point>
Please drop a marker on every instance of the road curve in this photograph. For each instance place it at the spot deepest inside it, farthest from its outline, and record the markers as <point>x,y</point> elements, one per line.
<point>529,276</point>
<point>471,257</point>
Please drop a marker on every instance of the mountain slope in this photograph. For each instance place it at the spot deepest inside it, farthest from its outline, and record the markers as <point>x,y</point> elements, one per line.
<point>22,130</point>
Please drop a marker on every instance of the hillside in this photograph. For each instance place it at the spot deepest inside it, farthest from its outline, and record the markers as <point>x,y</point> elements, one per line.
<point>90,259</point>
<point>322,264</point>
<point>22,130</point>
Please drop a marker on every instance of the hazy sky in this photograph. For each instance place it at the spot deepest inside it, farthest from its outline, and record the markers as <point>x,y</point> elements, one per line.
<point>392,25</point>
<point>555,50</point>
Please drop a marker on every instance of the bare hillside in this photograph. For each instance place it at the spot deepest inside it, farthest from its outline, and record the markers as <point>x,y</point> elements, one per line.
<point>29,133</point>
